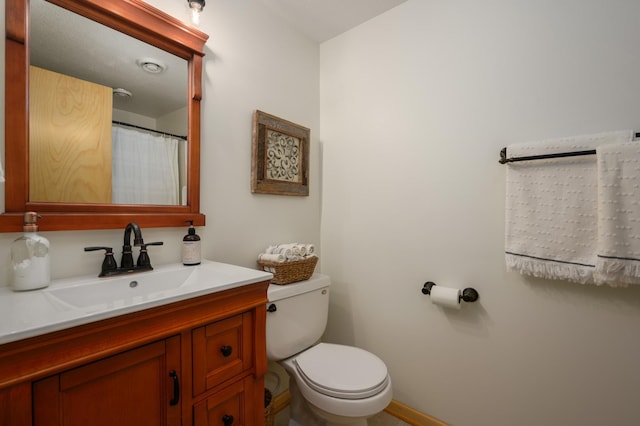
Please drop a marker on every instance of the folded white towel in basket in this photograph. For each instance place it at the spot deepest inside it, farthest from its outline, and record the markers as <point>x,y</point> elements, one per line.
<point>292,251</point>
<point>286,252</point>
<point>618,261</point>
<point>293,248</point>
<point>551,208</point>
<point>271,257</point>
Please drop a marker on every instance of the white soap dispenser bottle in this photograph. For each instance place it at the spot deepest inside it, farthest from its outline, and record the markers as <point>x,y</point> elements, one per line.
<point>30,257</point>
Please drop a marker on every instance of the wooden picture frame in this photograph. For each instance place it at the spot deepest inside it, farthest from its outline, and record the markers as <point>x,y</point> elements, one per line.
<point>279,156</point>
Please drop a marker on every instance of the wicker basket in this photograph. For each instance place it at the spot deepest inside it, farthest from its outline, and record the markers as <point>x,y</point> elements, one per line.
<point>290,272</point>
<point>268,408</point>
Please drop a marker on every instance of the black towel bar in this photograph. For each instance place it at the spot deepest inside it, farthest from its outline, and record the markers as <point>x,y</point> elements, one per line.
<point>504,159</point>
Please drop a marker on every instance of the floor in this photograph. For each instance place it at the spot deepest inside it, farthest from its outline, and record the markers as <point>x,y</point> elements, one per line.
<point>382,419</point>
<point>277,381</point>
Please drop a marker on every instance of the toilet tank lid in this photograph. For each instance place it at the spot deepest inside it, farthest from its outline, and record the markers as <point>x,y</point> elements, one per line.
<point>279,292</point>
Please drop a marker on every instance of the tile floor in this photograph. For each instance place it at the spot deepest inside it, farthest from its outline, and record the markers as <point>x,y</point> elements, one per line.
<point>382,419</point>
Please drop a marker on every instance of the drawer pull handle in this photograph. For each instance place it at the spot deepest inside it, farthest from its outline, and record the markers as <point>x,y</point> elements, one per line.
<point>176,388</point>
<point>226,351</point>
<point>227,420</point>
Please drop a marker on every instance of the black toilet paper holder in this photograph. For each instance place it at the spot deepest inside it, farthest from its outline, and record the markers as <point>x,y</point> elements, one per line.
<point>468,294</point>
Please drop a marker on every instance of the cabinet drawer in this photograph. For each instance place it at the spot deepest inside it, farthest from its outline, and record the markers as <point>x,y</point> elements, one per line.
<point>221,350</point>
<point>224,408</point>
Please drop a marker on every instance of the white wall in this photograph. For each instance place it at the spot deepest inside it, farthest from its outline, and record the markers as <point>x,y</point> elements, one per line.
<point>415,106</point>
<point>253,61</point>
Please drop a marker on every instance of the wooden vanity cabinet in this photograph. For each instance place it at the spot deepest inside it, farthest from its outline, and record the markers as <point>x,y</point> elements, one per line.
<point>196,362</point>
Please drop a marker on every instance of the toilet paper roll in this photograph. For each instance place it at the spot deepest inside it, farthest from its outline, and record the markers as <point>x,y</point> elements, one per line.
<point>445,296</point>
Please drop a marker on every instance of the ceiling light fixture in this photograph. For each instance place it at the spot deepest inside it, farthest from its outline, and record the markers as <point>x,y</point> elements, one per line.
<point>152,66</point>
<point>124,93</point>
<point>196,9</point>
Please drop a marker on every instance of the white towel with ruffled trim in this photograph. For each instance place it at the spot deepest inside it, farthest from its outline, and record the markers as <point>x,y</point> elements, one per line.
<point>551,208</point>
<point>618,261</point>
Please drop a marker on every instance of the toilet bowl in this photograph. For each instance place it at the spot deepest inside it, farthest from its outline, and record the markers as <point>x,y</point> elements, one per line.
<point>341,380</point>
<point>340,385</point>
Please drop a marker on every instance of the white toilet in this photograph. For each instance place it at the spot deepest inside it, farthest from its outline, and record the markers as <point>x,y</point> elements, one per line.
<point>342,385</point>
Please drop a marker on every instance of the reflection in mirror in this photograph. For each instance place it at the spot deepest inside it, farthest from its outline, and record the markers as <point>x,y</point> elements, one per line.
<point>108,114</point>
<point>139,20</point>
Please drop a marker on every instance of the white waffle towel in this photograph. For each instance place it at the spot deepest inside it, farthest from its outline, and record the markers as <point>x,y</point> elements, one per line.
<point>271,257</point>
<point>618,261</point>
<point>289,251</point>
<point>551,208</point>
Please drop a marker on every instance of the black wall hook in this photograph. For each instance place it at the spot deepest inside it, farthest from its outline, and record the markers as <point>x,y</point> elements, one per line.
<point>468,294</point>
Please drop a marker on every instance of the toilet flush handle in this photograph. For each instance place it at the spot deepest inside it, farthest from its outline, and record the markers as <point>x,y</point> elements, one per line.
<point>272,308</point>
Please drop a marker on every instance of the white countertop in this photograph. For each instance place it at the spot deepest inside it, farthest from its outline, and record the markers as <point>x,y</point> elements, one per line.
<point>36,312</point>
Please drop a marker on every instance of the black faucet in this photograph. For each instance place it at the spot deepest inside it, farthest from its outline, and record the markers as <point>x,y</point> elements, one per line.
<point>127,258</point>
<point>109,265</point>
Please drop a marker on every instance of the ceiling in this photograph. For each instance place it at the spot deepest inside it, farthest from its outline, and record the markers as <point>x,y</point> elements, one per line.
<point>322,20</point>
<point>64,42</point>
<point>69,44</point>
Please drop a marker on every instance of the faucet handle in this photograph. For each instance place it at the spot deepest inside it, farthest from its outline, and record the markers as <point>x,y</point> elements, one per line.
<point>109,263</point>
<point>108,249</point>
<point>126,261</point>
<point>143,258</point>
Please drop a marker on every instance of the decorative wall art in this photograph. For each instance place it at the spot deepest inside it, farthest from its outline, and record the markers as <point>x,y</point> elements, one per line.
<point>280,156</point>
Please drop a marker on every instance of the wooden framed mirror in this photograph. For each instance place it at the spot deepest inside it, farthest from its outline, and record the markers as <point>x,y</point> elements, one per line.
<point>133,18</point>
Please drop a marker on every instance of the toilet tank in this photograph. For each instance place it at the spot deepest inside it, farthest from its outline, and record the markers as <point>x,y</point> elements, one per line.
<point>299,317</point>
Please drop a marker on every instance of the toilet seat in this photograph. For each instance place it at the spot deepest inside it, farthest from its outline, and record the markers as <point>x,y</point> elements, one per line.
<point>343,372</point>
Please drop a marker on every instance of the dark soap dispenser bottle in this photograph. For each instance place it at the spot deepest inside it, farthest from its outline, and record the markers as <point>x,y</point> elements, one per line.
<point>191,247</point>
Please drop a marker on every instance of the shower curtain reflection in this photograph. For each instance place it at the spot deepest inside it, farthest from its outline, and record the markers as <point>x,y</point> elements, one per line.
<point>145,168</point>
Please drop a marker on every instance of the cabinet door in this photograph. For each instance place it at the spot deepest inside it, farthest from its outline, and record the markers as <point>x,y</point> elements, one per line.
<point>134,388</point>
<point>15,405</point>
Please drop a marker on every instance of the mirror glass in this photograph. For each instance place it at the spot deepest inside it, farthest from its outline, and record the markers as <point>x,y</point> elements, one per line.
<point>108,114</point>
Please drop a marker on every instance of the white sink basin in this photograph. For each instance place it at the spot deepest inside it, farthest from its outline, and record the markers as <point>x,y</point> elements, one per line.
<point>75,301</point>
<point>122,290</point>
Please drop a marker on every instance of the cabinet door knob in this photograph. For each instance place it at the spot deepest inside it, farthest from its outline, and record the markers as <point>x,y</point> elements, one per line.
<point>227,420</point>
<point>176,388</point>
<point>226,351</point>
